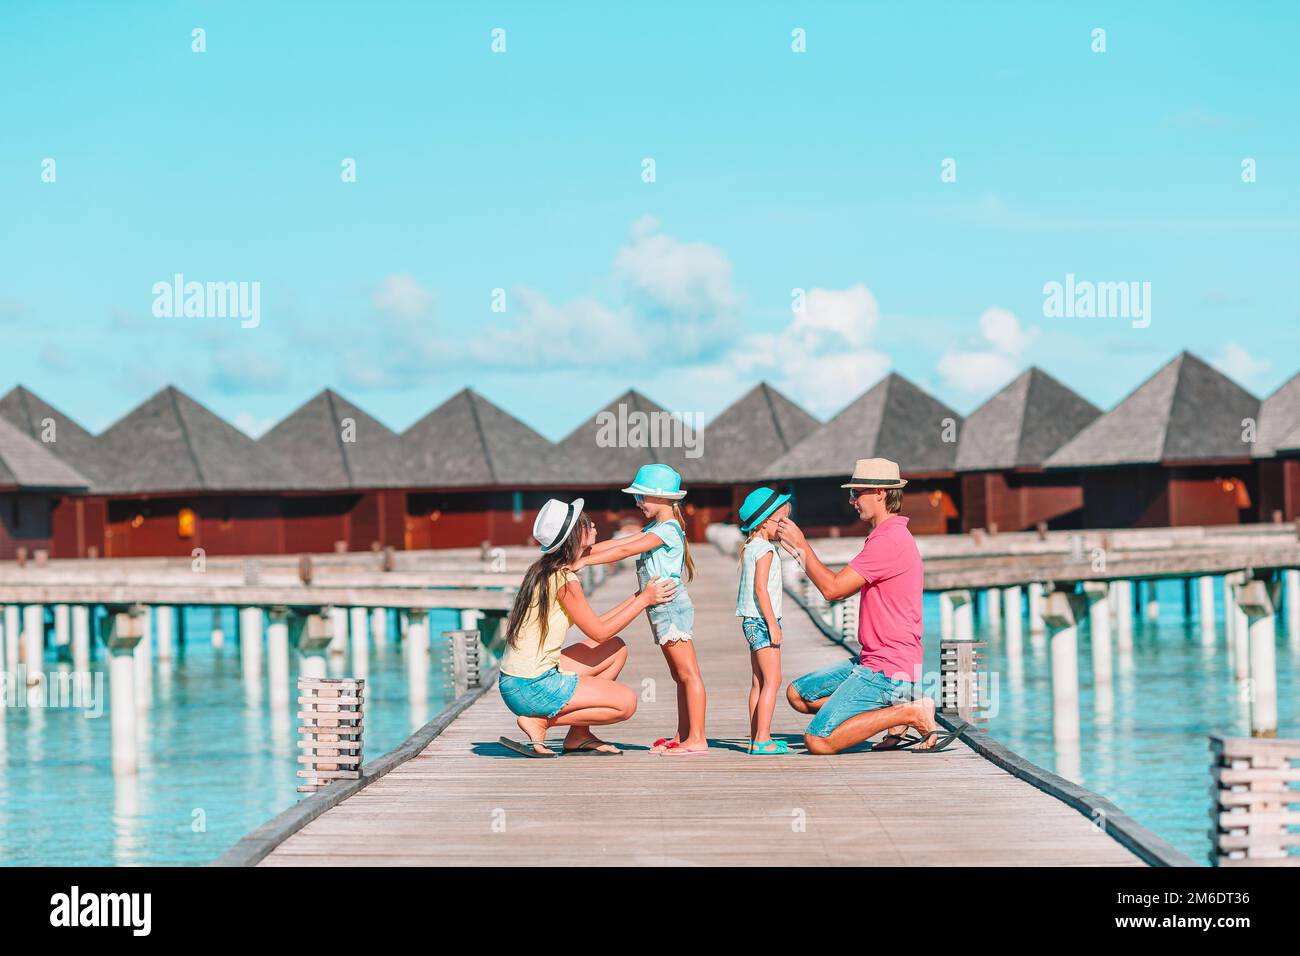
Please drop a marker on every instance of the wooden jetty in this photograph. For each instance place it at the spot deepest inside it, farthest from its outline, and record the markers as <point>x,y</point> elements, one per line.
<point>462,799</point>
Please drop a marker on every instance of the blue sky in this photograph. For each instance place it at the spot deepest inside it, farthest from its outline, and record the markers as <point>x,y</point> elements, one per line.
<point>522,171</point>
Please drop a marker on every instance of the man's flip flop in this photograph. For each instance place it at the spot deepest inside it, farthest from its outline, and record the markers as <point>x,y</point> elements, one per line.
<point>591,748</point>
<point>945,738</point>
<point>904,741</point>
<point>526,749</point>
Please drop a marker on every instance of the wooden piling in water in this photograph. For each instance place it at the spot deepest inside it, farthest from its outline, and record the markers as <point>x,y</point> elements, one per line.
<point>1255,602</point>
<point>1255,803</point>
<point>124,628</point>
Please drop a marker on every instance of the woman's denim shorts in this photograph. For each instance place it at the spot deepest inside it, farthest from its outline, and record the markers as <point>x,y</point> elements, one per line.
<point>852,689</point>
<point>543,696</point>
<point>756,632</point>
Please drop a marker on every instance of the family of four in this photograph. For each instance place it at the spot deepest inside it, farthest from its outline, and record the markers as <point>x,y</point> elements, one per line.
<point>546,684</point>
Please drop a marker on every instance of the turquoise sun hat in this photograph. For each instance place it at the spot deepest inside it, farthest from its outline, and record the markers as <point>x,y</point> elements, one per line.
<point>759,505</point>
<point>661,481</point>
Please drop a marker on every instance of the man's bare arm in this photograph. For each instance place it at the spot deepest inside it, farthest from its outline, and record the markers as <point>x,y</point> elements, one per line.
<point>834,586</point>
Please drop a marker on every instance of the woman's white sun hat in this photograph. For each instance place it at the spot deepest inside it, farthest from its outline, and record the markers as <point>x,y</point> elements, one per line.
<point>658,481</point>
<point>555,523</point>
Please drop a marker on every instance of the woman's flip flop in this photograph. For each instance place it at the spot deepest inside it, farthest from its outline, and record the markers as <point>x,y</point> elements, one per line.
<point>591,748</point>
<point>526,749</point>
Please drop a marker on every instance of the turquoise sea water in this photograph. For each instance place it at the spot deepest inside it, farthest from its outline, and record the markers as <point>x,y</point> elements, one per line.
<point>1146,748</point>
<point>214,763</point>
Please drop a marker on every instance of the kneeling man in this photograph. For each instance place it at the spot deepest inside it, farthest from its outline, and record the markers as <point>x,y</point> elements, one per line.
<point>853,701</point>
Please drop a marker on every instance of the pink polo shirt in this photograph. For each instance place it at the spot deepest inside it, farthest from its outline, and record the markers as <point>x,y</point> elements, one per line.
<point>889,611</point>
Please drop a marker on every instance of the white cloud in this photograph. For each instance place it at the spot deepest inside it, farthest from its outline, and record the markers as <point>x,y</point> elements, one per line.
<point>400,295</point>
<point>236,371</point>
<point>685,278</point>
<point>824,357</point>
<point>1237,363</point>
<point>992,363</point>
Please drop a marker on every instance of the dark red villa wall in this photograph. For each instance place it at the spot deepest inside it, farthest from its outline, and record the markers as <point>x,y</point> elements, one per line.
<point>1279,489</point>
<point>150,527</point>
<point>1151,496</point>
<point>25,522</point>
<point>1018,502</point>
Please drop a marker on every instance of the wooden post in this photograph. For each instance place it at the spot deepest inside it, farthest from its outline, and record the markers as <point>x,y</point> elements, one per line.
<point>1122,597</point>
<point>1205,608</point>
<point>1254,803</point>
<point>1153,603</point>
<point>144,660</point>
<point>379,618</point>
<point>13,640</point>
<point>945,616</point>
<point>1239,632</point>
<point>358,623</point>
<point>1096,593</point>
<point>1254,600</point>
<point>331,730</point>
<point>993,599</point>
<point>1061,616</point>
<point>250,644</point>
<point>80,638</point>
<point>164,620</point>
<point>417,662</point>
<point>339,631</point>
<point>1187,599</point>
<point>963,625</point>
<point>277,656</point>
<point>34,644</point>
<point>1292,586</point>
<point>62,626</point>
<point>1013,614</point>
<point>1036,624</point>
<point>218,635</point>
<point>960,665</point>
<point>1229,611</point>
<point>463,659</point>
<point>124,628</point>
<point>312,633</point>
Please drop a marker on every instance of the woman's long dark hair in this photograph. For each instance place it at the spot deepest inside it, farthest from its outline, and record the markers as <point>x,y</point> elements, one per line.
<point>535,589</point>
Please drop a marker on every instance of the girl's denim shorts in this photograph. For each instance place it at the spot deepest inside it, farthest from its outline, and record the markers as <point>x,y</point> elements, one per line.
<point>674,621</point>
<point>543,696</point>
<point>756,632</point>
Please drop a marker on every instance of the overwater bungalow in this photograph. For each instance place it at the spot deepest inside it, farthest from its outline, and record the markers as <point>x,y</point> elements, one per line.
<point>1176,451</point>
<point>176,477</point>
<point>1277,445</point>
<point>738,445</point>
<point>350,481</point>
<point>894,419</point>
<point>77,521</point>
<point>474,473</point>
<point>33,481</point>
<point>1001,452</point>
<point>600,456</point>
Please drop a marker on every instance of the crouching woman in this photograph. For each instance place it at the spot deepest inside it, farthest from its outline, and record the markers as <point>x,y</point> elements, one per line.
<point>546,684</point>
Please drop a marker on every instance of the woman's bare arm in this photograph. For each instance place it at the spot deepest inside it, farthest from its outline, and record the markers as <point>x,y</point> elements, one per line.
<point>616,549</point>
<point>597,627</point>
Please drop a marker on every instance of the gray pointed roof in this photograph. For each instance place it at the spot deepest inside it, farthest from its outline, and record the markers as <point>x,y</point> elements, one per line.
<point>747,436</point>
<point>1279,419</point>
<point>71,442</point>
<point>469,442</point>
<point>170,443</point>
<point>1291,442</point>
<point>28,465</point>
<point>607,449</point>
<point>1023,424</point>
<point>1186,411</point>
<point>330,454</point>
<point>893,419</point>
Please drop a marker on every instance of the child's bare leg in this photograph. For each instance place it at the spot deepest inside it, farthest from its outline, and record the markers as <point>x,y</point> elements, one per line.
<point>753,693</point>
<point>769,664</point>
<point>690,695</point>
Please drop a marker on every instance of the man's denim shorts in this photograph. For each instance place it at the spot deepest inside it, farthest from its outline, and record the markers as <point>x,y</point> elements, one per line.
<point>852,689</point>
<point>543,696</point>
<point>756,632</point>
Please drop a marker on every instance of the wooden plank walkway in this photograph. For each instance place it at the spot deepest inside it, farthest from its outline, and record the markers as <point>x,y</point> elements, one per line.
<point>465,800</point>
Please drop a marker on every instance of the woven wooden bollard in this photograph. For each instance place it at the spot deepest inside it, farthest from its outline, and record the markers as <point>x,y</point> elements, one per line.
<point>463,660</point>
<point>1254,801</point>
<point>330,730</point>
<point>960,666</point>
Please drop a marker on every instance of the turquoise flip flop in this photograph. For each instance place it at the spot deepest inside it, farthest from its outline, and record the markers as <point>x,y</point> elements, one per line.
<point>770,748</point>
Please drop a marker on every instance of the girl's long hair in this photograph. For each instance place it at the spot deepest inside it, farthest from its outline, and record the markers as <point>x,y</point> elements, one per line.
<point>535,588</point>
<point>686,547</point>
